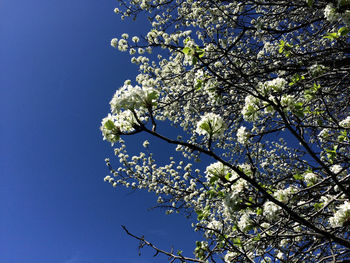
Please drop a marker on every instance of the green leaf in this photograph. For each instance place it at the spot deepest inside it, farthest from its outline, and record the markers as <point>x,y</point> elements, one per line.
<point>331,36</point>
<point>259,211</point>
<point>331,154</point>
<point>203,214</point>
<point>200,52</point>
<point>298,177</point>
<point>186,50</point>
<point>316,87</point>
<point>205,126</point>
<point>318,206</point>
<point>343,31</point>
<point>237,241</point>
<point>227,176</point>
<point>199,84</point>
<point>109,125</point>
<point>257,238</point>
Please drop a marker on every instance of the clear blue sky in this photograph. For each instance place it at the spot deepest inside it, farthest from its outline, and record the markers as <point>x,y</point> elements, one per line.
<point>57,75</point>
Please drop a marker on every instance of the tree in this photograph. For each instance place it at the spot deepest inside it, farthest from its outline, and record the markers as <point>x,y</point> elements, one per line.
<point>260,87</point>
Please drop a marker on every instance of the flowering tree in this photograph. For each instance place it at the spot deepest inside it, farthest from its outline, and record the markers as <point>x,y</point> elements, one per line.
<point>260,87</point>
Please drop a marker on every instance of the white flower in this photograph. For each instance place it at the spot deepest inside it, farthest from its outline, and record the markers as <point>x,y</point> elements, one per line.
<point>230,202</point>
<point>277,84</point>
<point>242,135</point>
<point>141,51</point>
<point>145,144</point>
<point>270,210</point>
<point>310,178</point>
<point>113,125</point>
<point>316,70</point>
<point>341,216</point>
<point>244,222</point>
<point>129,97</point>
<point>135,39</point>
<point>267,49</point>
<point>284,195</point>
<point>125,36</point>
<point>116,10</point>
<point>336,168</point>
<point>280,255</point>
<point>345,123</point>
<point>211,124</point>
<point>220,170</point>
<point>288,101</point>
<point>265,225</point>
<point>132,51</point>
<point>250,109</point>
<point>216,225</point>
<point>125,121</point>
<point>229,257</point>
<point>149,50</point>
<point>122,45</point>
<point>330,14</point>
<point>108,129</point>
<point>114,42</point>
<point>324,134</point>
<point>284,242</point>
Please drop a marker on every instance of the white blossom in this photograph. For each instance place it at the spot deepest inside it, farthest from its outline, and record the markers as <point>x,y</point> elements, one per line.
<point>284,195</point>
<point>145,143</point>
<point>250,109</point>
<point>330,13</point>
<point>270,210</point>
<point>229,257</point>
<point>217,169</point>
<point>243,135</point>
<point>341,216</point>
<point>135,39</point>
<point>211,124</point>
<point>311,178</point>
<point>345,123</point>
<point>336,168</point>
<point>277,85</point>
<point>244,221</point>
<point>122,45</point>
<point>108,129</point>
<point>133,97</point>
<point>114,42</point>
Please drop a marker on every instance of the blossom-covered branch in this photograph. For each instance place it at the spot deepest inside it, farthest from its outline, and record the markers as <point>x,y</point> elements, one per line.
<point>261,88</point>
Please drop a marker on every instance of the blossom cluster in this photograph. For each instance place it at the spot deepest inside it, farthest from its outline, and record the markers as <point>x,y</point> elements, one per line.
<point>333,13</point>
<point>133,97</point>
<point>341,216</point>
<point>211,124</point>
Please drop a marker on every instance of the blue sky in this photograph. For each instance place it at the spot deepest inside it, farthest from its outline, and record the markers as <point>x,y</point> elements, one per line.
<point>57,75</point>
